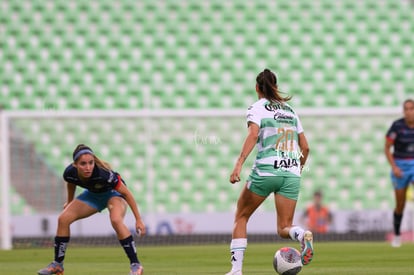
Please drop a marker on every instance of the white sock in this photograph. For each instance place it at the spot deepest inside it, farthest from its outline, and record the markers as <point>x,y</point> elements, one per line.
<point>237,248</point>
<point>296,233</point>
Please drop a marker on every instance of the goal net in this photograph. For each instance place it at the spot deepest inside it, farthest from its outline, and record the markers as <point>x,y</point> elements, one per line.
<point>177,164</point>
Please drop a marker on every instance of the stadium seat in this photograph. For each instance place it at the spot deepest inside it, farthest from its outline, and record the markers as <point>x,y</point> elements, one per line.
<point>123,26</point>
<point>163,55</point>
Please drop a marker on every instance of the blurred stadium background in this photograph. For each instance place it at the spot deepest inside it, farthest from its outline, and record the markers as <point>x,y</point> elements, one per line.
<point>160,88</point>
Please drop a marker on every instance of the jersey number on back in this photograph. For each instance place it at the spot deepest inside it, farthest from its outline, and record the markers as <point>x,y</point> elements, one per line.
<point>285,140</point>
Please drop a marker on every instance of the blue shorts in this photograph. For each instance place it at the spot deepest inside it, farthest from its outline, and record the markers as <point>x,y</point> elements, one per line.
<point>99,201</point>
<point>407,168</point>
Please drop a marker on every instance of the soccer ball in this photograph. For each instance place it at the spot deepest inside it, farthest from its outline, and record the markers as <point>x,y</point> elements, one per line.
<point>287,261</point>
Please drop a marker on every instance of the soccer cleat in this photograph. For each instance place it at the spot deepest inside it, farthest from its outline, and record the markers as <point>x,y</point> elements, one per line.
<point>136,269</point>
<point>53,268</point>
<point>307,247</point>
<point>396,241</point>
<point>237,272</point>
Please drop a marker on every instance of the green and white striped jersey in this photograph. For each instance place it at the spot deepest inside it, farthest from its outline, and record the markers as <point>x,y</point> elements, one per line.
<point>278,152</point>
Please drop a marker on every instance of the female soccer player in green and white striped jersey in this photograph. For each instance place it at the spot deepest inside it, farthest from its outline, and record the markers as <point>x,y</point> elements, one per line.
<point>282,150</point>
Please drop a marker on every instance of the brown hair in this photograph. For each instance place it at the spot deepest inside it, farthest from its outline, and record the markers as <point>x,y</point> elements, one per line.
<point>409,100</point>
<point>83,149</point>
<point>267,83</point>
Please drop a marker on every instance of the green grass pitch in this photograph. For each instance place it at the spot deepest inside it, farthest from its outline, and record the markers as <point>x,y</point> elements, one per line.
<point>330,258</point>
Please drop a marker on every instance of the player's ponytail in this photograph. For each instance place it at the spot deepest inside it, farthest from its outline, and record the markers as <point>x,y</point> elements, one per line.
<point>267,83</point>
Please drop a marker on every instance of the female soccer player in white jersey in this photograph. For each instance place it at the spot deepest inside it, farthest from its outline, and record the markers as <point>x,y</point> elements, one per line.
<point>104,189</point>
<point>276,130</point>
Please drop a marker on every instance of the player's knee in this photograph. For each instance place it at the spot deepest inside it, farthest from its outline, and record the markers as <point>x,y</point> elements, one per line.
<point>243,214</point>
<point>64,219</point>
<point>117,221</point>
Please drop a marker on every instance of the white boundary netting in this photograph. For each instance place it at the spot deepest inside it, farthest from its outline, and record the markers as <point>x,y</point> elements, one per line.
<point>179,161</point>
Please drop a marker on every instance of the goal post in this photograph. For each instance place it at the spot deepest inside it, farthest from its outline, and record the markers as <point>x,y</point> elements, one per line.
<point>6,238</point>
